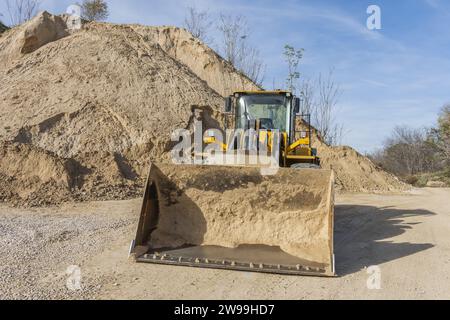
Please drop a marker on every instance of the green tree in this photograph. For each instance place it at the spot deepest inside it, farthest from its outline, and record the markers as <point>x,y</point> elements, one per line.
<point>443,133</point>
<point>94,10</point>
<point>2,26</point>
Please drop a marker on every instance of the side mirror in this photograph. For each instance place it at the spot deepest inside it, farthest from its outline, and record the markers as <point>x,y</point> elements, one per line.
<point>228,105</point>
<point>296,105</point>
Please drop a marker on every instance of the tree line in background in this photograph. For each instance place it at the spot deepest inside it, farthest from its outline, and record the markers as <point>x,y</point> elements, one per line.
<point>418,156</point>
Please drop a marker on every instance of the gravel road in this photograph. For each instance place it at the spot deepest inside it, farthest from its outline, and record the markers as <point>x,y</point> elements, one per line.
<point>401,240</point>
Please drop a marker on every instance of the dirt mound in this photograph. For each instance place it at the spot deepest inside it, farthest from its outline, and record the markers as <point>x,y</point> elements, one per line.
<point>218,73</point>
<point>42,29</point>
<point>106,99</point>
<point>91,128</point>
<point>31,176</point>
<point>356,173</point>
<point>353,171</point>
<point>28,172</point>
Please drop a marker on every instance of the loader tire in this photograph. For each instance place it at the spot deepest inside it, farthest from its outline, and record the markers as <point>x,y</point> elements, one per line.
<point>305,166</point>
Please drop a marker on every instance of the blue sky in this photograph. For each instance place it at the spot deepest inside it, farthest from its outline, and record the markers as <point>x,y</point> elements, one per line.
<point>399,75</point>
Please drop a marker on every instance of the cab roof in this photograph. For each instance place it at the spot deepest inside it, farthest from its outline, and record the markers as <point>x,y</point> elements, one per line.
<point>281,92</point>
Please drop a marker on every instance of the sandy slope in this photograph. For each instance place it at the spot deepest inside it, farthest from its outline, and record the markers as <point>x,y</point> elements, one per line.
<point>406,236</point>
<point>218,73</point>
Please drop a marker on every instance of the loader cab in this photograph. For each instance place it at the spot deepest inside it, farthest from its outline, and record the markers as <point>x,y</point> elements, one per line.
<point>266,110</point>
<point>275,110</point>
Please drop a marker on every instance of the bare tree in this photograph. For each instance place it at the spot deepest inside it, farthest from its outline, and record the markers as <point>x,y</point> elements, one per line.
<point>21,11</point>
<point>237,49</point>
<point>307,94</point>
<point>320,100</point>
<point>325,109</point>
<point>293,58</point>
<point>251,64</point>
<point>199,24</point>
<point>234,30</point>
<point>94,10</point>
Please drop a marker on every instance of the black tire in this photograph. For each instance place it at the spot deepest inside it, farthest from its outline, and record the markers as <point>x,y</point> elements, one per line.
<point>305,166</point>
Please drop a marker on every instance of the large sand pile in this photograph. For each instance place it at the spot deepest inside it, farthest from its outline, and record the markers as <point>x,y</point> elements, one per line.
<point>106,98</point>
<point>102,77</point>
<point>101,90</point>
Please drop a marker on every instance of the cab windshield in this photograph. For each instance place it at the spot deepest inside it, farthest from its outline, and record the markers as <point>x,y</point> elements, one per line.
<point>270,110</point>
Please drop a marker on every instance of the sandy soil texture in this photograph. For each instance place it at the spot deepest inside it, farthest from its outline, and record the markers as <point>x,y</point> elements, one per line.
<point>178,43</point>
<point>406,236</point>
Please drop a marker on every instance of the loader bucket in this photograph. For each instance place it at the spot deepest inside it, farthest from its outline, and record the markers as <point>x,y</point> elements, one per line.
<point>235,218</point>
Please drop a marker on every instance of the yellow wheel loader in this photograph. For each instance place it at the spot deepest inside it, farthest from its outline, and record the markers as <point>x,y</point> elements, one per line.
<point>237,216</point>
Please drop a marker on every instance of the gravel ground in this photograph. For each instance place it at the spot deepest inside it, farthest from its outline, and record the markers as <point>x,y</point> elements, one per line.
<point>406,236</point>
<point>38,246</point>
